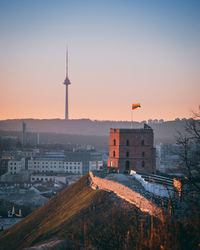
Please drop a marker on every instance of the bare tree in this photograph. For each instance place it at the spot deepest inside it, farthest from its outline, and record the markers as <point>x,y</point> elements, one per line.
<point>189,153</point>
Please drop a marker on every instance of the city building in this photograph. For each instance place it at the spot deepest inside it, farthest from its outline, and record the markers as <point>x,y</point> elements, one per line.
<point>4,164</point>
<point>168,159</point>
<point>51,166</point>
<point>132,149</point>
<point>54,165</point>
<point>29,137</point>
<point>49,178</point>
<point>90,160</point>
<point>70,163</point>
<point>15,166</point>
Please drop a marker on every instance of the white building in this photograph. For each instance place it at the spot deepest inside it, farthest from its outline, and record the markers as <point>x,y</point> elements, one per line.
<point>95,165</point>
<point>69,163</point>
<point>15,166</point>
<point>53,165</point>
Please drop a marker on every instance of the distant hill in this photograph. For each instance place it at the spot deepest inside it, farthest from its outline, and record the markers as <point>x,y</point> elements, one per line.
<point>50,139</point>
<point>164,132</point>
<point>81,218</point>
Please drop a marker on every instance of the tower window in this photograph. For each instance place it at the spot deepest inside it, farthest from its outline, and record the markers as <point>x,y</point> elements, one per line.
<point>127,154</point>
<point>113,153</point>
<point>143,164</point>
<point>142,143</point>
<point>114,142</point>
<point>127,142</point>
<point>127,165</point>
<point>143,154</point>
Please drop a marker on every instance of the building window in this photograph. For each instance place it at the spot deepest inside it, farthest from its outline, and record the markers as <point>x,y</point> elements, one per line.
<point>114,142</point>
<point>143,154</point>
<point>113,153</point>
<point>142,143</point>
<point>143,164</point>
<point>127,154</point>
<point>127,142</point>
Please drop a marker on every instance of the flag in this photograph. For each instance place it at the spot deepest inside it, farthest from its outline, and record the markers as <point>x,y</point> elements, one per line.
<point>136,105</point>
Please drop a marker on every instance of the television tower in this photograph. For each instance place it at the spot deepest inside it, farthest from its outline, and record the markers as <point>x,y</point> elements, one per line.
<point>66,82</point>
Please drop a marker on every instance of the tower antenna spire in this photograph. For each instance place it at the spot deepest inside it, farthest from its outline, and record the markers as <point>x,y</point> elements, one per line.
<point>67,61</point>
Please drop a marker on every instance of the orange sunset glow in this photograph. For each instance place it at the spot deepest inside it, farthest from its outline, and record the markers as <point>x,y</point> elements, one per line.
<point>133,54</point>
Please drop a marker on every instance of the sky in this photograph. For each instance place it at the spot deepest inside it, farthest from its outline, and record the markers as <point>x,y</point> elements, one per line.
<point>120,52</point>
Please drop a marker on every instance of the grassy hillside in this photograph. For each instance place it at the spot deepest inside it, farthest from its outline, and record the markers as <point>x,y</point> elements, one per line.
<point>50,218</point>
<point>96,219</point>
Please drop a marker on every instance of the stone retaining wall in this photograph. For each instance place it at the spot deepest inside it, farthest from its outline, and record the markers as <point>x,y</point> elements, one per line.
<point>127,194</point>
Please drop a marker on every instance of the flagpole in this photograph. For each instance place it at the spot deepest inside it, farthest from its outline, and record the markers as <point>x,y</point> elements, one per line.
<point>134,106</point>
<point>131,118</point>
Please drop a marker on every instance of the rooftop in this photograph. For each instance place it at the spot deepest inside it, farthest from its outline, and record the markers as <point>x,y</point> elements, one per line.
<point>146,129</point>
<point>131,130</point>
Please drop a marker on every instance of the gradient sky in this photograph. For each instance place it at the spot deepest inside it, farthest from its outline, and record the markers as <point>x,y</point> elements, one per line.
<point>120,52</point>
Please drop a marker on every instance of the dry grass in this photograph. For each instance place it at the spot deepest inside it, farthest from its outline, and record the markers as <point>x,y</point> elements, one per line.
<point>98,219</point>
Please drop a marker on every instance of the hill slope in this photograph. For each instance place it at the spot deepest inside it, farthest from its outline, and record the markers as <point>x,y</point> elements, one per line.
<point>85,218</point>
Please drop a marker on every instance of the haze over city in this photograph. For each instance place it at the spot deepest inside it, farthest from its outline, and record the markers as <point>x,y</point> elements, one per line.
<point>120,52</point>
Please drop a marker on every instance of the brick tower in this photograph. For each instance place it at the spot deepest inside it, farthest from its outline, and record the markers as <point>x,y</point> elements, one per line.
<point>132,149</point>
